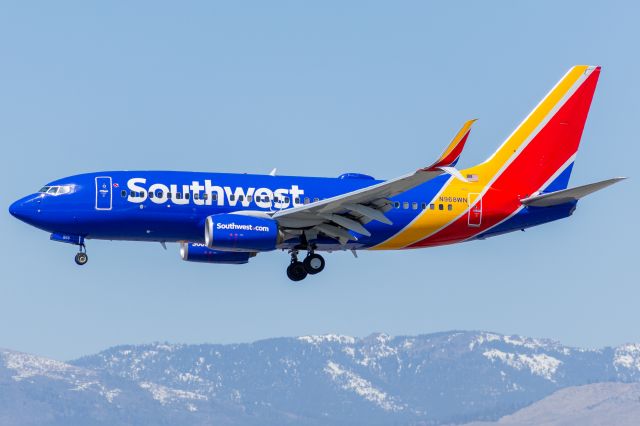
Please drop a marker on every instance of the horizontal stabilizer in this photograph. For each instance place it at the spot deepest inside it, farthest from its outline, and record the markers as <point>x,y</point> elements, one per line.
<point>567,195</point>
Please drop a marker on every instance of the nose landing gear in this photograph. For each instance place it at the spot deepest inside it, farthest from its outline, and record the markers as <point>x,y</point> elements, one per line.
<point>81,256</point>
<point>311,265</point>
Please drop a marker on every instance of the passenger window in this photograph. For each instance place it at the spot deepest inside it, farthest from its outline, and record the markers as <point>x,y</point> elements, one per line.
<point>151,195</point>
<point>214,197</point>
<point>450,207</point>
<point>432,206</point>
<point>178,195</point>
<point>205,196</point>
<point>187,195</point>
<point>196,196</point>
<point>405,205</point>
<point>414,205</point>
<point>396,205</point>
<point>286,199</point>
<point>316,199</point>
<point>424,206</point>
<point>297,201</point>
<point>306,200</point>
<point>124,193</point>
<point>249,198</point>
<point>169,195</point>
<point>232,197</point>
<point>440,206</point>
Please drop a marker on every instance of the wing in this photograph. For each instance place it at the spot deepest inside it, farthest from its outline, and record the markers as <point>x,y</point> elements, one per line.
<point>337,215</point>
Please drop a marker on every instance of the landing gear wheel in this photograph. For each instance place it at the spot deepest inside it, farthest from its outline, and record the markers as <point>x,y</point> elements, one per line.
<point>313,263</point>
<point>296,271</point>
<point>82,258</point>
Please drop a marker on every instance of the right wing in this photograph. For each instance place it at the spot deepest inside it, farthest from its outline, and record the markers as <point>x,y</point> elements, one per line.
<point>337,215</point>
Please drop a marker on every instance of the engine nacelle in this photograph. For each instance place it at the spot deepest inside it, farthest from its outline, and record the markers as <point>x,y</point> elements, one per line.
<point>235,232</point>
<point>200,253</point>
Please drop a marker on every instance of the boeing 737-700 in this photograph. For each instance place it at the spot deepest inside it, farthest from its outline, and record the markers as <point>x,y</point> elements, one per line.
<point>229,218</point>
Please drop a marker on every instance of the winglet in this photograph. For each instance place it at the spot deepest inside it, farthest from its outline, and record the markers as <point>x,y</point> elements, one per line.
<point>451,154</point>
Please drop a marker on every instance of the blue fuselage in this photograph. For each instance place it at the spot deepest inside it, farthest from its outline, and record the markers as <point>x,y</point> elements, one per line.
<point>170,206</point>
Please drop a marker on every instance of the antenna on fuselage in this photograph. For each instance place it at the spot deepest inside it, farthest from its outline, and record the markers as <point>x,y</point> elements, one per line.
<point>273,172</point>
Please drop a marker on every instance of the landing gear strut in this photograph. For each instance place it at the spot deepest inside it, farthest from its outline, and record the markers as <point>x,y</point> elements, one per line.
<point>312,264</point>
<point>81,256</point>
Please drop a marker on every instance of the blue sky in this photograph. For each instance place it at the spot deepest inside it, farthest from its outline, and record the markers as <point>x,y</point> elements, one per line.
<point>313,89</point>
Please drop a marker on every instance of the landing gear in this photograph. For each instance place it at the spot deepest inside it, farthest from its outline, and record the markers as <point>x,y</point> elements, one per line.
<point>296,271</point>
<point>312,264</point>
<point>81,256</point>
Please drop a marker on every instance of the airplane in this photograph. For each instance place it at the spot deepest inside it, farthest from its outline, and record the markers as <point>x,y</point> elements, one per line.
<point>225,218</point>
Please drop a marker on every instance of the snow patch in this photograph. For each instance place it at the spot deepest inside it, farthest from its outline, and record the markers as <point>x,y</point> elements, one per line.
<point>328,338</point>
<point>482,338</point>
<point>26,365</point>
<point>164,394</point>
<point>627,356</point>
<point>362,387</point>
<point>541,365</point>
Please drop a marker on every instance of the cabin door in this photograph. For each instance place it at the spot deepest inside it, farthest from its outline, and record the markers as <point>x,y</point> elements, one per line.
<point>104,193</point>
<point>474,218</point>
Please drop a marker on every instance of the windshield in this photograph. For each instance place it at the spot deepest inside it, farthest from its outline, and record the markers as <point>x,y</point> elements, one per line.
<point>57,189</point>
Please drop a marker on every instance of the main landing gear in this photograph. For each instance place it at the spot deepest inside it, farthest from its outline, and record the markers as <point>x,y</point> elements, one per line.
<point>311,265</point>
<point>81,256</point>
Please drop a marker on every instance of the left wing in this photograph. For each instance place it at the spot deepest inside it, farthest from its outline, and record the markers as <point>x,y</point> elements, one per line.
<point>337,215</point>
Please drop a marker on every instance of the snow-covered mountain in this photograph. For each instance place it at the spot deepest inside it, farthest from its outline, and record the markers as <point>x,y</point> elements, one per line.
<point>441,378</point>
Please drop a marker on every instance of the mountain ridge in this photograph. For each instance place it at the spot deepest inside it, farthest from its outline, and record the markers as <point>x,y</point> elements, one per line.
<point>438,378</point>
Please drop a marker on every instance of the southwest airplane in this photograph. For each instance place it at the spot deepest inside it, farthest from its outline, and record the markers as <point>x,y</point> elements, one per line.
<point>229,218</point>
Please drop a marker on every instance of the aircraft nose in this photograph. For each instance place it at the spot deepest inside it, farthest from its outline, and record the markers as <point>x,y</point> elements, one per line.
<point>15,209</point>
<point>23,209</point>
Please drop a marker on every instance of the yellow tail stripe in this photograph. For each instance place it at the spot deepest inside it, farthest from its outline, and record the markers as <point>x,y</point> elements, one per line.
<point>430,221</point>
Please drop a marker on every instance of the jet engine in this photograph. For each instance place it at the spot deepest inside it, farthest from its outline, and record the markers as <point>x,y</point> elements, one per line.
<point>235,232</point>
<point>200,253</point>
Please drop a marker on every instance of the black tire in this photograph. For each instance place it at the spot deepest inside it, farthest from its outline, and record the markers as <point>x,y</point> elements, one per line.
<point>313,264</point>
<point>82,258</point>
<point>296,271</point>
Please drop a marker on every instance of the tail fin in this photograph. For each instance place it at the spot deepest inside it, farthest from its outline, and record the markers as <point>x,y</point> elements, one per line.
<point>545,144</point>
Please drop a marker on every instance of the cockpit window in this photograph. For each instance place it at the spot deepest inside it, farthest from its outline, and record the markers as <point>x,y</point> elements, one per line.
<point>57,190</point>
